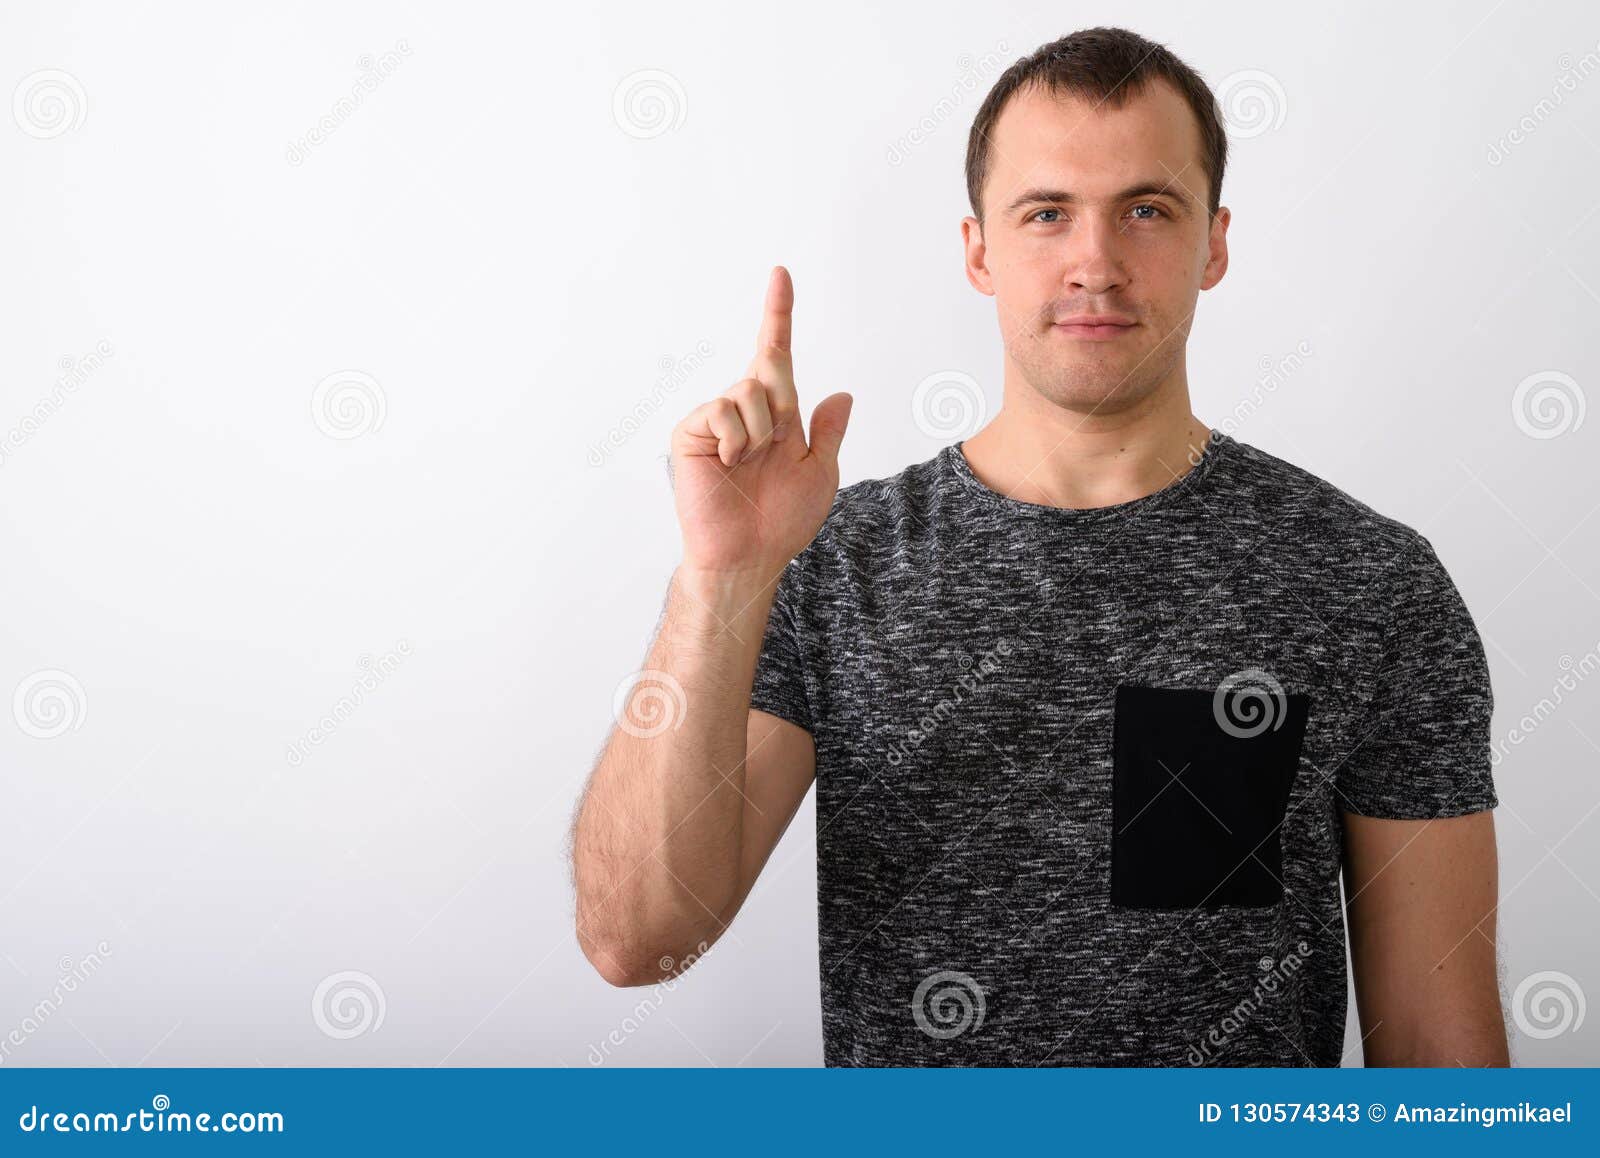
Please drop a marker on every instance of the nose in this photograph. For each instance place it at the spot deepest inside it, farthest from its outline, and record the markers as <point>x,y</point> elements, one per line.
<point>1095,263</point>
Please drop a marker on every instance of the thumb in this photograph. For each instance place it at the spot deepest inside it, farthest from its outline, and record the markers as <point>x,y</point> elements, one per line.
<point>828,422</point>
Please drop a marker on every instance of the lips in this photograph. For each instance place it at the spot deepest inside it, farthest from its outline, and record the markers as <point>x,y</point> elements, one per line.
<point>1096,320</point>
<point>1098,327</point>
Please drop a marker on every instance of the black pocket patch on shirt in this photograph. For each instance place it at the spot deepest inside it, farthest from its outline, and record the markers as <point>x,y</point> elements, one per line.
<point>1201,782</point>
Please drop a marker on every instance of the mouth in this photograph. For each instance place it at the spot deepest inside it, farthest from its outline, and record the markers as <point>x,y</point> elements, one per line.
<point>1096,327</point>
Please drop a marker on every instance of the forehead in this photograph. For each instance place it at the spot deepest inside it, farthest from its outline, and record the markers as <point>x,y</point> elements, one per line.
<point>1091,148</point>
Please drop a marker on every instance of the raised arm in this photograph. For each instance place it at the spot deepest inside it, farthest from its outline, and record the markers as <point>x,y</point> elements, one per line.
<point>676,822</point>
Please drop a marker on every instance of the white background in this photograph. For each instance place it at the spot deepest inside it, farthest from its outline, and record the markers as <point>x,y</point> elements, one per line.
<point>513,261</point>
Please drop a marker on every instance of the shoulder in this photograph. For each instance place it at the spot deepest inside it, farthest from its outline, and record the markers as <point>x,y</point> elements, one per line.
<point>874,514</point>
<point>1301,506</point>
<point>908,490</point>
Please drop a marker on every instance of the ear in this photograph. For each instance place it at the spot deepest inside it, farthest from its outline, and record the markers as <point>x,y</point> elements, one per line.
<point>1217,249</point>
<point>975,255</point>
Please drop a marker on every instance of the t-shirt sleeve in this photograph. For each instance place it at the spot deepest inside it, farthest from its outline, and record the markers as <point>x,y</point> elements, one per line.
<point>780,686</point>
<point>1423,751</point>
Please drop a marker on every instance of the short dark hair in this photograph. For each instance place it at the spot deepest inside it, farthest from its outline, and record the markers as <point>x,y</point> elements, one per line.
<point>1107,65</point>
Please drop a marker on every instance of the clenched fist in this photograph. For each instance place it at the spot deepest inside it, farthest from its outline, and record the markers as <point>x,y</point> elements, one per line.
<point>751,490</point>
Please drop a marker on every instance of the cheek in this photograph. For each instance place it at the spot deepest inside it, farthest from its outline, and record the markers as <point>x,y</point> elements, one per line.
<point>1032,274</point>
<point>1163,268</point>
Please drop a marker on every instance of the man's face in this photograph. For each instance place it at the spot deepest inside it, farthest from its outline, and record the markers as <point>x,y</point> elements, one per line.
<point>1096,211</point>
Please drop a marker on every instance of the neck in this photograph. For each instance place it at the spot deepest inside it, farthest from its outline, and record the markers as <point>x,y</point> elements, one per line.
<point>1039,452</point>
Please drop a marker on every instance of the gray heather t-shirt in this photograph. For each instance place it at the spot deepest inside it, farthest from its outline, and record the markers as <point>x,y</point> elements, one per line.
<point>1080,772</point>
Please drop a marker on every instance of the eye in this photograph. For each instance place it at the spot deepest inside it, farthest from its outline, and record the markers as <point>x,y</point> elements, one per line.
<point>1154,208</point>
<point>1041,213</point>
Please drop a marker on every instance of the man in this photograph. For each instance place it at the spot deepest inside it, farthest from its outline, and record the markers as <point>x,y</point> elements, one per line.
<point>1099,702</point>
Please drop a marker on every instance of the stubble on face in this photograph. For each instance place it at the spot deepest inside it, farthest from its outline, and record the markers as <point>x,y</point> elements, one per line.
<point>1117,262</point>
<point>1102,378</point>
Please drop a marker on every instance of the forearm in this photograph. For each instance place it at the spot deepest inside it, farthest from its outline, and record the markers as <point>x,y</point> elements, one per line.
<point>656,844</point>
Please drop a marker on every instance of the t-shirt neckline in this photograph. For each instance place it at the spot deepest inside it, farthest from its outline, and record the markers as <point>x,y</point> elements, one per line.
<point>1216,447</point>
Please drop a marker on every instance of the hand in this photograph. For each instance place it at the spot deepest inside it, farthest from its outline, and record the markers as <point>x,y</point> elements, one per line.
<point>751,492</point>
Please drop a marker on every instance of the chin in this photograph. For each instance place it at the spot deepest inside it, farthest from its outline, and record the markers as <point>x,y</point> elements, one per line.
<point>1104,387</point>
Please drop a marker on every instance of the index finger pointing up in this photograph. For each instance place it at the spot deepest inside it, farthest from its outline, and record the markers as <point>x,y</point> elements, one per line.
<point>773,363</point>
<point>777,318</point>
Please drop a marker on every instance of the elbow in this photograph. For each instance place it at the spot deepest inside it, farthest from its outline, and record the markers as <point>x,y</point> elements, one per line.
<point>619,969</point>
<point>626,966</point>
<point>621,964</point>
<point>619,976</point>
<point>632,945</point>
<point>609,958</point>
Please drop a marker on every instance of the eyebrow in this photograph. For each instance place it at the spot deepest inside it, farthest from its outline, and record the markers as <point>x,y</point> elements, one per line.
<point>1064,197</point>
